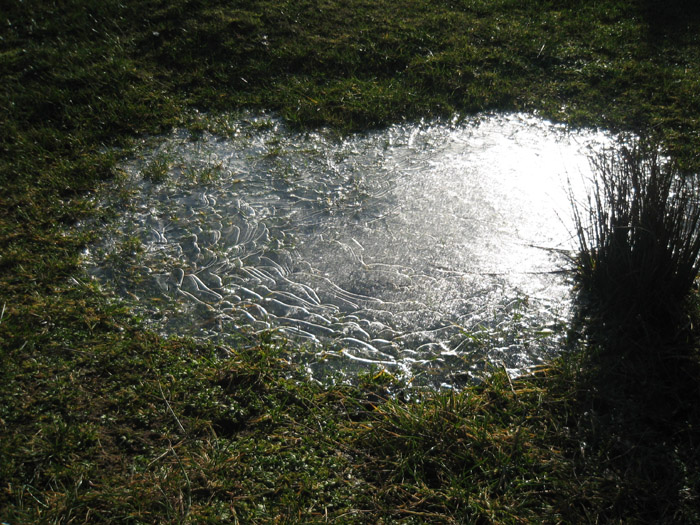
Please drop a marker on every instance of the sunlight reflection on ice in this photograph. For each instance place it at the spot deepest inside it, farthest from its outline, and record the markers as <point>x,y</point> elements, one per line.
<point>425,248</point>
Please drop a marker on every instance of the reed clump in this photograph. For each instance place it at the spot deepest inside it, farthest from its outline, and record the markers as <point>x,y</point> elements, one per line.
<point>639,241</point>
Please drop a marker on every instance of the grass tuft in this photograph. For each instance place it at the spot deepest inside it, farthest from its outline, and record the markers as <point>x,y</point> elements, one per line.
<point>639,240</point>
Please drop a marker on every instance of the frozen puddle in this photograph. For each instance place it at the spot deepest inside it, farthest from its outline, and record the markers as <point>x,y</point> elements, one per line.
<point>428,249</point>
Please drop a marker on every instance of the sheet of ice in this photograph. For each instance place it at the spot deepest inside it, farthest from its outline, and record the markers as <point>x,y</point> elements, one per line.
<point>428,248</point>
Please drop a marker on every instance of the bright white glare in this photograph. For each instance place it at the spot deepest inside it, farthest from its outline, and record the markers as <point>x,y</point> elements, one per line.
<point>427,247</point>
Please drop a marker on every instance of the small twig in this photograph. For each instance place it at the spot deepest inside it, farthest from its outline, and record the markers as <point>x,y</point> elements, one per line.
<point>2,314</point>
<point>186,511</point>
<point>424,514</point>
<point>159,458</point>
<point>509,380</point>
<point>170,409</point>
<point>27,488</point>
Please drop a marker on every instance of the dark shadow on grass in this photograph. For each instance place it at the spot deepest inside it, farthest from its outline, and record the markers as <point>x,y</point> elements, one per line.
<point>670,19</point>
<point>638,423</point>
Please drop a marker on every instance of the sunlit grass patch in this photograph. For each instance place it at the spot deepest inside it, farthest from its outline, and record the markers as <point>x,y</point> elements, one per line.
<point>156,170</point>
<point>482,455</point>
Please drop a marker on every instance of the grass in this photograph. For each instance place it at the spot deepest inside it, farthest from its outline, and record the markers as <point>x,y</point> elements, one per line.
<point>639,241</point>
<point>103,421</point>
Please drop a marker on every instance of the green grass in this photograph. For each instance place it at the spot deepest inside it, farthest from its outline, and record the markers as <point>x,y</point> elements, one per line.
<point>102,421</point>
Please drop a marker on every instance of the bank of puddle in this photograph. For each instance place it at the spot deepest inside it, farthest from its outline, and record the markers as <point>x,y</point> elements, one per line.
<point>429,249</point>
